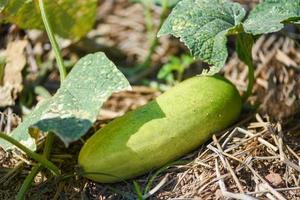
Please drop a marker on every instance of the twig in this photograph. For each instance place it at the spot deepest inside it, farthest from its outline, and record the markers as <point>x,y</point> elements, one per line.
<point>268,186</point>
<point>261,140</point>
<point>223,188</point>
<point>277,189</point>
<point>236,180</point>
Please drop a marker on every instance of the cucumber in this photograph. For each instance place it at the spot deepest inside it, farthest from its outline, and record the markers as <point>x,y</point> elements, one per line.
<point>161,131</point>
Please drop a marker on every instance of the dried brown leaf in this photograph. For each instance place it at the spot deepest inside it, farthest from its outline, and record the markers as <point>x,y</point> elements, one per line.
<point>12,80</point>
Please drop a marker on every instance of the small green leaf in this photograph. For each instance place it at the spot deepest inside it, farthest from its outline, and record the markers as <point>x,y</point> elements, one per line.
<point>270,16</point>
<point>203,25</point>
<point>69,18</point>
<point>75,106</point>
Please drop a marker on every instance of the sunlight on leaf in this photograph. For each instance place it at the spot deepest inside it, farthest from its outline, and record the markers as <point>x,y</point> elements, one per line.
<point>203,25</point>
<point>74,108</point>
<point>269,16</point>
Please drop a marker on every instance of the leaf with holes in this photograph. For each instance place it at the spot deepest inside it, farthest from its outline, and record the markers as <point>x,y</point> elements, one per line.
<point>75,106</point>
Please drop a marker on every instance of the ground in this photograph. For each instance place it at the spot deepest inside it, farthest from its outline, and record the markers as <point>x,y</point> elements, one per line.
<point>259,155</point>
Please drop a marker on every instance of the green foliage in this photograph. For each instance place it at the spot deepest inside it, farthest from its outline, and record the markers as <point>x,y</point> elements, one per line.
<point>177,65</point>
<point>75,106</point>
<point>270,16</point>
<point>203,25</point>
<point>69,18</point>
<point>138,190</point>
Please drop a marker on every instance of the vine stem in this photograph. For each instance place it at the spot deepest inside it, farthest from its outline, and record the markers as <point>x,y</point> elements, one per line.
<point>55,47</point>
<point>148,21</point>
<point>28,181</point>
<point>154,41</point>
<point>50,136</point>
<point>251,78</point>
<point>37,157</point>
<point>244,50</point>
<point>36,169</point>
<point>60,63</point>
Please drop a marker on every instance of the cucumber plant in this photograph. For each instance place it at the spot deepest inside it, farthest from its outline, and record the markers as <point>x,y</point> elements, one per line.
<point>176,122</point>
<point>73,109</point>
<point>204,25</point>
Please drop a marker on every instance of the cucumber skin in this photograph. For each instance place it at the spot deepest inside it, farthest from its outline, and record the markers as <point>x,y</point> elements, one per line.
<point>161,131</point>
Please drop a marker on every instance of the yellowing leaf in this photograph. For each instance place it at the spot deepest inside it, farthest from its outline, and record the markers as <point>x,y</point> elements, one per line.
<point>69,18</point>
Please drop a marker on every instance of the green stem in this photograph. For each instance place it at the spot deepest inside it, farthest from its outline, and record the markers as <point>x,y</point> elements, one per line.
<point>28,182</point>
<point>59,60</point>
<point>36,169</point>
<point>37,157</point>
<point>248,93</point>
<point>43,160</point>
<point>244,46</point>
<point>148,20</point>
<point>154,41</point>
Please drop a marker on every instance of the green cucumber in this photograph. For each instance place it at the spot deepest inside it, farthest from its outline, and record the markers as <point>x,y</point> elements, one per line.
<point>163,130</point>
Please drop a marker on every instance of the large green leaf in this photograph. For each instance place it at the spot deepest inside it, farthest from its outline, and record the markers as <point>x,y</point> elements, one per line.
<point>203,26</point>
<point>75,106</point>
<point>270,15</point>
<point>69,18</point>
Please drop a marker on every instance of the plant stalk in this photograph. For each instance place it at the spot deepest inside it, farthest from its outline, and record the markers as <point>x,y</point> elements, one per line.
<point>154,41</point>
<point>35,156</point>
<point>36,169</point>
<point>248,92</point>
<point>244,50</point>
<point>55,47</point>
<point>50,136</point>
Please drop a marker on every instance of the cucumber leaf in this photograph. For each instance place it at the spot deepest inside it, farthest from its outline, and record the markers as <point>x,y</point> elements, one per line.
<point>69,18</point>
<point>270,16</point>
<point>203,25</point>
<point>74,108</point>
